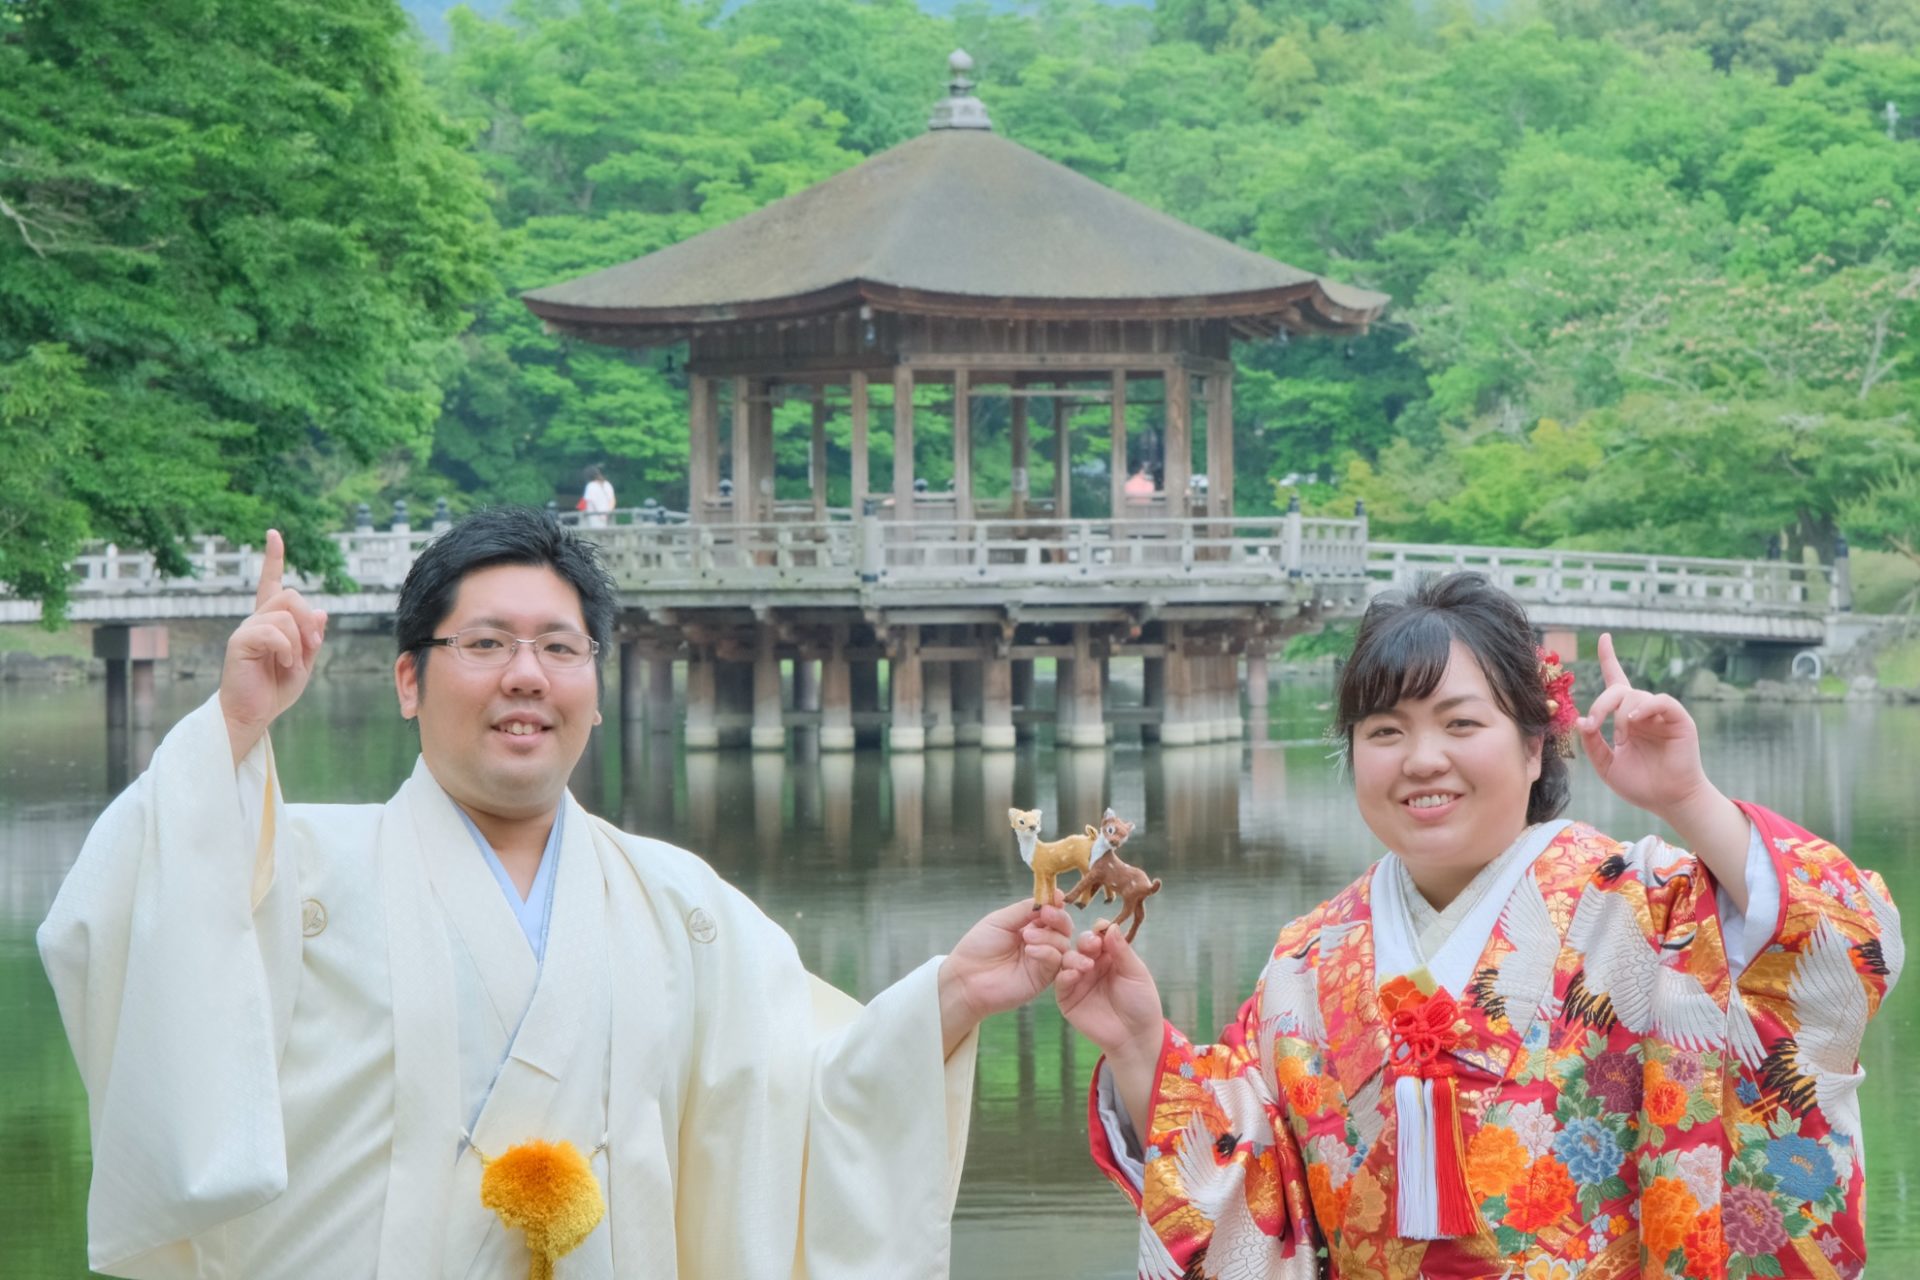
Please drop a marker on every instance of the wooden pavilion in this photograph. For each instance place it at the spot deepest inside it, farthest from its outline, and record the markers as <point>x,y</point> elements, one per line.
<point>962,260</point>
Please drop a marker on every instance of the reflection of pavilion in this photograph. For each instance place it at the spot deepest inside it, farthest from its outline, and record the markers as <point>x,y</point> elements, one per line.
<point>961,265</point>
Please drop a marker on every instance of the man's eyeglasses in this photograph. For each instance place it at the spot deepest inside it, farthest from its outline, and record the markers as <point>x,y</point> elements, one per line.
<point>491,647</point>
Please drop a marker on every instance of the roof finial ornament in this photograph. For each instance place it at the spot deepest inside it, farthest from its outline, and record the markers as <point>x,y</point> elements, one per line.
<point>959,109</point>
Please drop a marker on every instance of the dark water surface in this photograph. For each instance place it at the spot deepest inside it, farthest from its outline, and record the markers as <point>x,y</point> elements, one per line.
<point>874,863</point>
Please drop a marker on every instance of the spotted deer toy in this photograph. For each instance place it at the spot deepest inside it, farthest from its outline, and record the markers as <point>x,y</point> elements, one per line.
<point>1048,858</point>
<point>1108,875</point>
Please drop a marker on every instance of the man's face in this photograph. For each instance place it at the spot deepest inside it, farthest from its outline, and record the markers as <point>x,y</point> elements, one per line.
<point>503,740</point>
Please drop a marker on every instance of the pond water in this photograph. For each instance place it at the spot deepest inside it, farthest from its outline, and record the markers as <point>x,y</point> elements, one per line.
<point>874,863</point>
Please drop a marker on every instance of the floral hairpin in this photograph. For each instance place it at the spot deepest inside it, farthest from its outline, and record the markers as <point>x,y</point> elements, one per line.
<point>1557,682</point>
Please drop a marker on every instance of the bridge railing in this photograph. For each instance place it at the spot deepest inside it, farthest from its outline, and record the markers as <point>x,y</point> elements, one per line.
<point>1599,578</point>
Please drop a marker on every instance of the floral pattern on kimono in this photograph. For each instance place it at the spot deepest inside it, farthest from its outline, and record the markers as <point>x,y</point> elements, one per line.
<point>1628,1108</point>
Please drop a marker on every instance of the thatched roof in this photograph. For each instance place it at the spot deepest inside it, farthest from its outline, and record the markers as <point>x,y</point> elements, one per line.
<point>957,221</point>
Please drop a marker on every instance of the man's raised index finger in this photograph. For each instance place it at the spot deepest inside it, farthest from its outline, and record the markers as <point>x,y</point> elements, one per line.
<point>272,569</point>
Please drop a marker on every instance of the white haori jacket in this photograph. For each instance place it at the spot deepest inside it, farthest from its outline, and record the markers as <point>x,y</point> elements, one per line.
<point>291,1018</point>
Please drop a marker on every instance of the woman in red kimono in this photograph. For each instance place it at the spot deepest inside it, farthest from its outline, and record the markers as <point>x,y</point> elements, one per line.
<point>1515,1047</point>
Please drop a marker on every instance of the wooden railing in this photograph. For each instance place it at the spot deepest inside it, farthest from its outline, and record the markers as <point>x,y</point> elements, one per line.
<point>1599,578</point>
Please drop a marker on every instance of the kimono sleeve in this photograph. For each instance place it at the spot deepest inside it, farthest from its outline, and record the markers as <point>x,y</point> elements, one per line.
<point>1222,1177</point>
<point>173,949</point>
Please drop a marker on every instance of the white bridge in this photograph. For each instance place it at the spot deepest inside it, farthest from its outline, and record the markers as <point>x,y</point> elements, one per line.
<point>1327,565</point>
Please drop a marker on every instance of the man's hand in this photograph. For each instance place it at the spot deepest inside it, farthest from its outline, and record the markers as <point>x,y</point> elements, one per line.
<point>270,656</point>
<point>1001,963</point>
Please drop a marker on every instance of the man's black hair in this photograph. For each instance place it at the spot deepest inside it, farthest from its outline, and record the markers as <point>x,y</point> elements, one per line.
<point>497,536</point>
<point>1405,642</point>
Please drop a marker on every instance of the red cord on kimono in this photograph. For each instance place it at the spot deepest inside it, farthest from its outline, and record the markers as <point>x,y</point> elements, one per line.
<point>1432,1149</point>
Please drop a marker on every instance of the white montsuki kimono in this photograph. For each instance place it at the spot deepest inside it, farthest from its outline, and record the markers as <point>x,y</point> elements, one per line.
<point>286,1016</point>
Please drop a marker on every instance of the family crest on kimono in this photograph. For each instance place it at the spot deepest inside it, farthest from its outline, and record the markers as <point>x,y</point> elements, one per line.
<point>1515,1046</point>
<point>476,1028</point>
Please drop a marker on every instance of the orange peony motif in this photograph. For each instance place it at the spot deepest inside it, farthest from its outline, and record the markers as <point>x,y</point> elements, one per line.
<point>1542,1198</point>
<point>1706,1245</point>
<point>1666,1101</point>
<point>1304,1095</point>
<point>1329,1205</point>
<point>1289,1071</point>
<point>1495,1161</point>
<point>1667,1211</point>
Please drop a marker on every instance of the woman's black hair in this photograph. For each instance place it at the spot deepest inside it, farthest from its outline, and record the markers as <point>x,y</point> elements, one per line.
<point>1405,641</point>
<point>497,536</point>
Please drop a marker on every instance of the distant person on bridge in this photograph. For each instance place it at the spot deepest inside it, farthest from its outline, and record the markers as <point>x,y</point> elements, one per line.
<point>337,1040</point>
<point>1139,484</point>
<point>1515,1046</point>
<point>597,502</point>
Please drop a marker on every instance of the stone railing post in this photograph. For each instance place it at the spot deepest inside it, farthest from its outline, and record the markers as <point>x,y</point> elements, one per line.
<point>1293,554</point>
<point>1842,577</point>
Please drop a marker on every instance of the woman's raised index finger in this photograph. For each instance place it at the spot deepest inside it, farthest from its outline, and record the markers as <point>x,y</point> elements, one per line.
<point>1610,669</point>
<point>272,569</point>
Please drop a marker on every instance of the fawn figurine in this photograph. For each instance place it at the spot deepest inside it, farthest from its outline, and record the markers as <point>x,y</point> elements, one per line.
<point>1108,875</point>
<point>1048,858</point>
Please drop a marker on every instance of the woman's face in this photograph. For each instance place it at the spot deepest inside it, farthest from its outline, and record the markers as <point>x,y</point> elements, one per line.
<point>1443,780</point>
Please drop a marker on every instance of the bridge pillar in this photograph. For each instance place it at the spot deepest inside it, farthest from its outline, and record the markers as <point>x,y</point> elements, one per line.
<point>906,680</point>
<point>733,689</point>
<point>996,704</point>
<point>941,729</point>
<point>1227,725</point>
<point>1177,727</point>
<point>1153,697</point>
<point>130,653</point>
<point>836,697</point>
<point>806,684</point>
<point>660,694</point>
<point>632,662</point>
<point>769,732</point>
<point>1079,718</point>
<point>1022,697</point>
<point>864,678</point>
<point>702,701</point>
<point>1259,688</point>
<point>966,703</point>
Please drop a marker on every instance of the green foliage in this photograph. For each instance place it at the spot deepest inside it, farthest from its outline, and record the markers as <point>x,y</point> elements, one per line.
<point>233,235</point>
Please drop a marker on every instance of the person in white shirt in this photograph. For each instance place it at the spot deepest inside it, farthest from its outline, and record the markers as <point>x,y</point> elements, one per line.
<point>597,501</point>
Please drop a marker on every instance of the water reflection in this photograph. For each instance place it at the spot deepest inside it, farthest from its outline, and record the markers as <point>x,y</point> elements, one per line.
<point>874,863</point>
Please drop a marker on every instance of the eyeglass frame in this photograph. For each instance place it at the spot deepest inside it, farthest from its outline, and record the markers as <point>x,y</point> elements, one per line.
<point>465,655</point>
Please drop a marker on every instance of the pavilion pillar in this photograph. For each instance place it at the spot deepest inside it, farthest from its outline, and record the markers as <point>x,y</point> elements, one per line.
<point>857,413</point>
<point>762,421</point>
<point>702,700</point>
<point>1176,724</point>
<point>996,703</point>
<point>817,458</point>
<point>1077,693</point>
<point>966,704</point>
<point>906,682</point>
<point>1117,460</point>
<point>836,696</point>
<point>903,442</point>
<point>703,445</point>
<point>1220,444</point>
<point>743,482</point>
<point>1017,439</point>
<point>962,445</point>
<point>1062,459</point>
<point>1178,463</point>
<point>769,728</point>
<point>1022,695</point>
<point>941,731</point>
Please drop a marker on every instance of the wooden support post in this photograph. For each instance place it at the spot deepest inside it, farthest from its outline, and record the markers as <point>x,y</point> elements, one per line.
<point>941,730</point>
<point>1117,463</point>
<point>769,728</point>
<point>836,697</point>
<point>1259,689</point>
<point>703,444</point>
<point>1153,697</point>
<point>996,704</point>
<point>632,698</point>
<point>806,684</point>
<point>1082,722</point>
<point>903,442</point>
<point>905,680</point>
<point>966,704</point>
<point>733,696</point>
<point>1062,459</point>
<point>763,467</point>
<point>1179,441</point>
<point>864,680</point>
<point>1022,696</point>
<point>1017,439</point>
<point>857,413</point>
<point>702,701</point>
<point>130,654</point>
<point>743,485</point>
<point>817,459</point>
<point>117,693</point>
<point>660,694</point>
<point>1176,723</point>
<point>962,445</point>
<point>1220,404</point>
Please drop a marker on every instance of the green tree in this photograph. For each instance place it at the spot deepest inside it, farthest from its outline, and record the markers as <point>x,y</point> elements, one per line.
<point>243,233</point>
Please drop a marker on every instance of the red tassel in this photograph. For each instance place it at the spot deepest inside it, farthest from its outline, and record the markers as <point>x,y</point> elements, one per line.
<point>1458,1217</point>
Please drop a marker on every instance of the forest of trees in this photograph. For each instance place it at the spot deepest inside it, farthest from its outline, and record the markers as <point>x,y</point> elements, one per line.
<point>1656,266</point>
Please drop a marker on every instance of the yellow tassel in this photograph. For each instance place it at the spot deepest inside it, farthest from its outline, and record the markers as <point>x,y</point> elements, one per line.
<point>546,1189</point>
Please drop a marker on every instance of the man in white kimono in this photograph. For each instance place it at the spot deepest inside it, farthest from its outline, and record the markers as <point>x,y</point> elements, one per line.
<point>304,1028</point>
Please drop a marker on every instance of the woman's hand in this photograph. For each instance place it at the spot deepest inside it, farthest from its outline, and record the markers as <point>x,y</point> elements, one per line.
<point>1107,993</point>
<point>1005,960</point>
<point>1653,761</point>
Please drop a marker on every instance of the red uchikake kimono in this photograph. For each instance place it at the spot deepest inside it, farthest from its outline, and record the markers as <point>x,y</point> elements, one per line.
<point>1608,1130</point>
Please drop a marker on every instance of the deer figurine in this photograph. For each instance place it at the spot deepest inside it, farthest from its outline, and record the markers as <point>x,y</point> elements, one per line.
<point>1108,875</point>
<point>1048,858</point>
